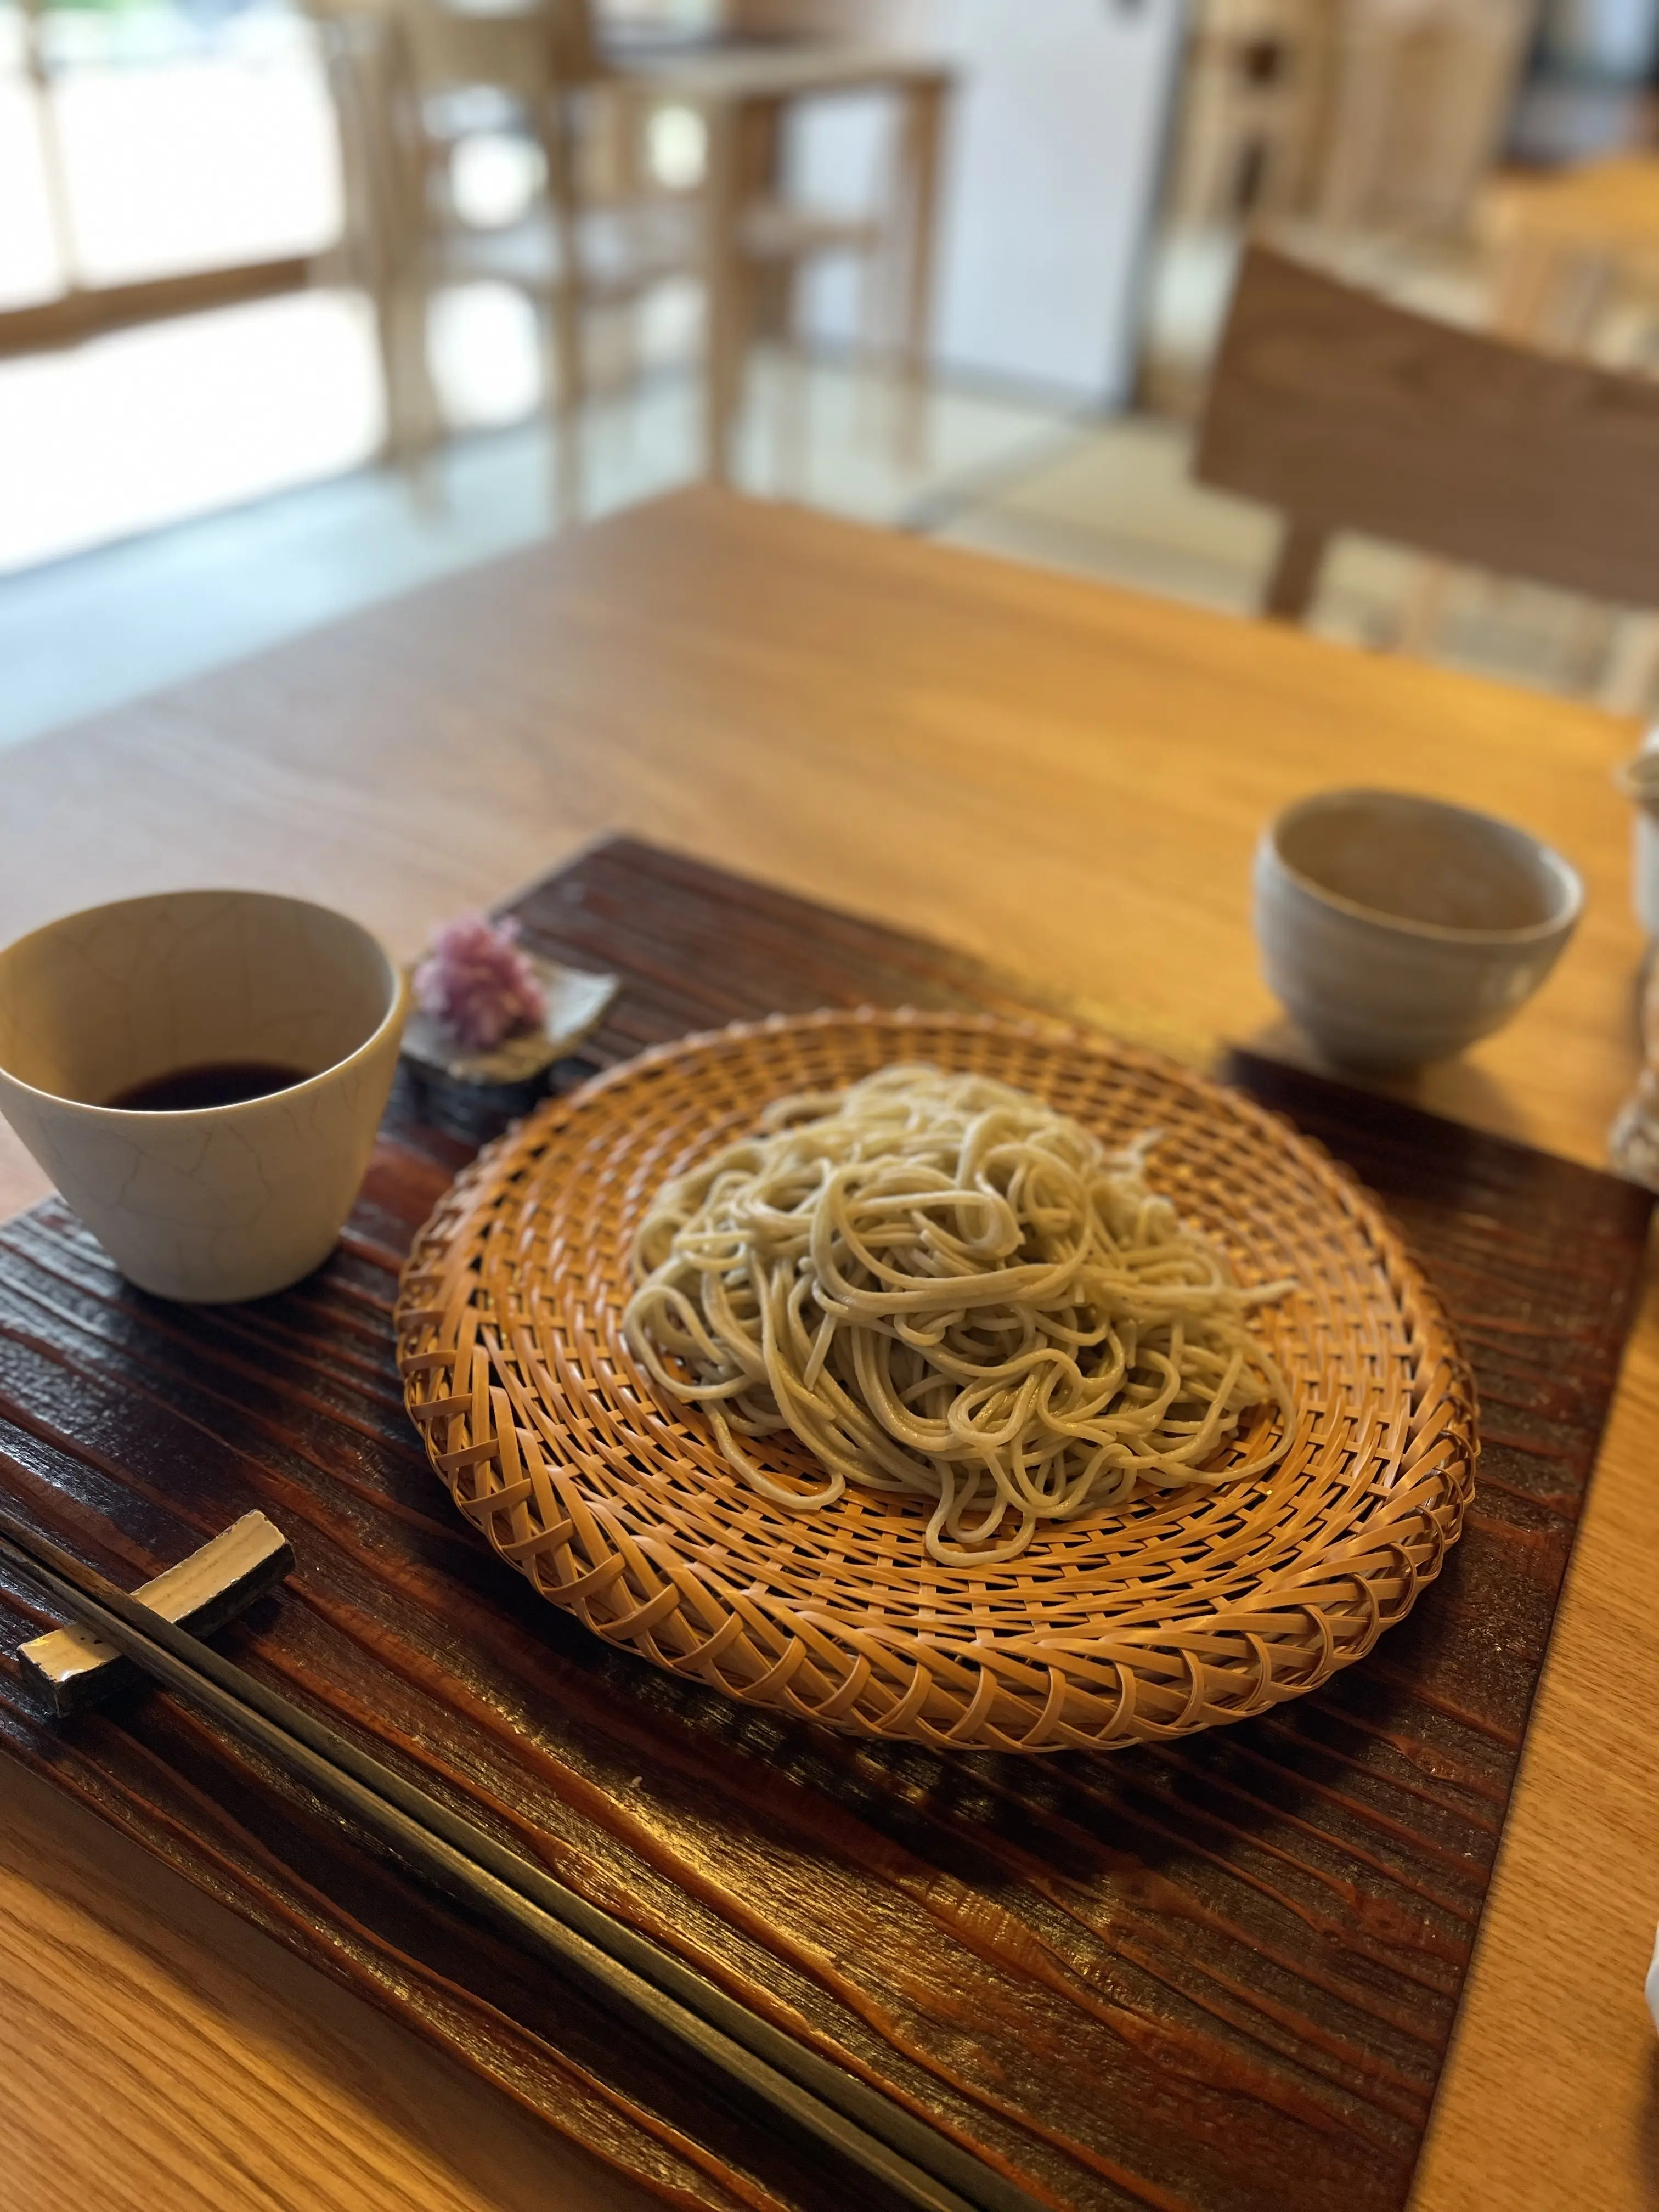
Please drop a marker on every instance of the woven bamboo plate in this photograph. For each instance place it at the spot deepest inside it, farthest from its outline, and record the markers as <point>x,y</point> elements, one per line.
<point>1143,1621</point>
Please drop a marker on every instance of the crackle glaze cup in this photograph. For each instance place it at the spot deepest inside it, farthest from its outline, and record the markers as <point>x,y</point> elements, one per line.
<point>1395,930</point>
<point>217,1202</point>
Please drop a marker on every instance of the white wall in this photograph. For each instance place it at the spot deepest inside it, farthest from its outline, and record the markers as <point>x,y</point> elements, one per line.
<point>1050,186</point>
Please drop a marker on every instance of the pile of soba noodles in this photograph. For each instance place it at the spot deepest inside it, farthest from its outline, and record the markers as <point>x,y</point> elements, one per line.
<point>944,1287</point>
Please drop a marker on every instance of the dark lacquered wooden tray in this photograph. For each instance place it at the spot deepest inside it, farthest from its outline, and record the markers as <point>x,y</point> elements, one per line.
<point>1211,1977</point>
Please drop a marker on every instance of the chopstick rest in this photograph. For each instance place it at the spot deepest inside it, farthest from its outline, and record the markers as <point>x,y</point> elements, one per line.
<point>653,1993</point>
<point>70,1668</point>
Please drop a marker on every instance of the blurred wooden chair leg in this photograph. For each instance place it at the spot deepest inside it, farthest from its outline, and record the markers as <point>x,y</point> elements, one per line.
<point>1525,284</point>
<point>878,393</point>
<point>1293,579</point>
<point>1632,672</point>
<point>725,291</point>
<point>791,409</point>
<point>1428,594</point>
<point>395,439</point>
<point>567,409</point>
<point>624,360</point>
<point>775,347</point>
<point>1550,292</point>
<point>922,131</point>
<point>562,349</point>
<point>414,423</point>
<point>567,384</point>
<point>1588,640</point>
<point>565,456</point>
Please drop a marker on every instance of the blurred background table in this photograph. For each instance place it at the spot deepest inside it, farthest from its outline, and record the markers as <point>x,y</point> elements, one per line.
<point>1064,779</point>
<point>415,82</point>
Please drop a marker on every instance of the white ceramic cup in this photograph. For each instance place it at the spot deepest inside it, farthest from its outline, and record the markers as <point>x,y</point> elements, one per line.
<point>1396,930</point>
<point>219,1202</point>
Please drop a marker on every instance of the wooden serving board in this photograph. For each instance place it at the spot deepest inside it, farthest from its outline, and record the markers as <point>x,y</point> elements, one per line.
<point>1218,1977</point>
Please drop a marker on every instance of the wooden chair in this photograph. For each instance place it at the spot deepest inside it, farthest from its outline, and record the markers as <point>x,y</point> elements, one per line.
<point>1420,91</point>
<point>389,73</point>
<point>1348,414</point>
<point>1254,71</point>
<point>1357,116</point>
<point>545,61</point>
<point>384,180</point>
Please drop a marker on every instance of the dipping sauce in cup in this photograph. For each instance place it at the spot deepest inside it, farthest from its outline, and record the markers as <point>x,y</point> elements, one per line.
<point>202,1074</point>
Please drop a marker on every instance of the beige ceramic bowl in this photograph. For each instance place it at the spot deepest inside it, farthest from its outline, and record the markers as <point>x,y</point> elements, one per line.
<point>222,1201</point>
<point>1396,930</point>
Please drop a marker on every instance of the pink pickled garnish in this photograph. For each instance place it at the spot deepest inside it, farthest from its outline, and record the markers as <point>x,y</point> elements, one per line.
<point>477,983</point>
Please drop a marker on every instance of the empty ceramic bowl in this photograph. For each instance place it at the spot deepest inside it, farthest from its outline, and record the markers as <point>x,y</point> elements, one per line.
<point>1395,930</point>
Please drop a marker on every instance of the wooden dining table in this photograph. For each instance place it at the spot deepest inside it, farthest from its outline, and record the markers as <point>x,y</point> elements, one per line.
<point>1062,778</point>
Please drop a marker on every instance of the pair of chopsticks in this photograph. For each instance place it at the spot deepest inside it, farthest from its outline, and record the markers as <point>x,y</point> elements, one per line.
<point>645,1989</point>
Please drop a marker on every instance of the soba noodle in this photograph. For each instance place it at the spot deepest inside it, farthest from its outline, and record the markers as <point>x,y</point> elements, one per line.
<point>943,1286</point>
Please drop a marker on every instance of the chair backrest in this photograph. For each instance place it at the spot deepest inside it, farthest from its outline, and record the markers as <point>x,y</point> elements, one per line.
<point>1348,414</point>
<point>532,50</point>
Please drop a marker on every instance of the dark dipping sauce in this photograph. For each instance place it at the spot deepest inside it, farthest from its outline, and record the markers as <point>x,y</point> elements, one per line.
<point>207,1082</point>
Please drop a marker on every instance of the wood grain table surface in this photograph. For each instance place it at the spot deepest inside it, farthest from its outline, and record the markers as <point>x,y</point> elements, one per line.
<point>1065,779</point>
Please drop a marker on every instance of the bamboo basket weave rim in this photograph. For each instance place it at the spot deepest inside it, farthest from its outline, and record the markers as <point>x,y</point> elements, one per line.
<point>1173,1613</point>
